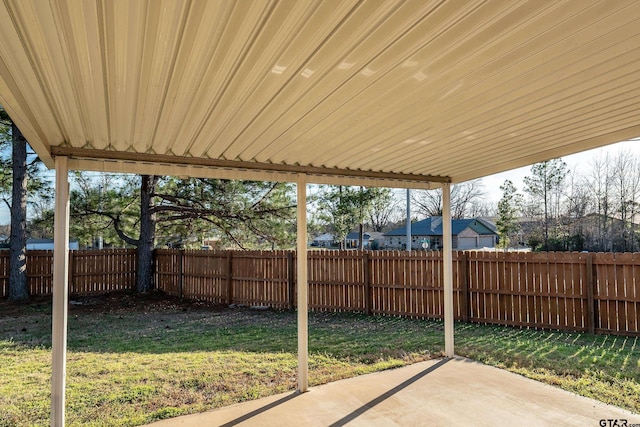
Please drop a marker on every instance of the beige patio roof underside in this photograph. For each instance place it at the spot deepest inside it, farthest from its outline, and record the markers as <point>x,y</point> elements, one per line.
<point>399,92</point>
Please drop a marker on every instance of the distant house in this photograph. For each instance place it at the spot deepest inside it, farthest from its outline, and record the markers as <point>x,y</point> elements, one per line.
<point>368,237</point>
<point>474,233</point>
<point>47,244</point>
<point>209,243</point>
<point>324,240</point>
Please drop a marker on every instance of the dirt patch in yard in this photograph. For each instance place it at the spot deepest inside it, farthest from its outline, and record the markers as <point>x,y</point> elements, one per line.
<point>113,302</point>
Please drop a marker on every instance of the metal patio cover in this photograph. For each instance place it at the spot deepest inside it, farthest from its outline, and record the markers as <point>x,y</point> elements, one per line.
<point>394,93</point>
<point>415,91</point>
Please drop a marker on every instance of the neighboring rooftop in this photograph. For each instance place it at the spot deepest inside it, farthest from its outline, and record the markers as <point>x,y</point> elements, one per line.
<point>432,226</point>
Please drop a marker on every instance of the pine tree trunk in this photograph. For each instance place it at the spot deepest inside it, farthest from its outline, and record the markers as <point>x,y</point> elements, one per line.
<point>18,289</point>
<point>147,239</point>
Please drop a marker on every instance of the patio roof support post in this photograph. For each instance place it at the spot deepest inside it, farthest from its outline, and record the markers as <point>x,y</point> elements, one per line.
<point>303,287</point>
<point>408,222</point>
<point>60,292</point>
<point>447,259</point>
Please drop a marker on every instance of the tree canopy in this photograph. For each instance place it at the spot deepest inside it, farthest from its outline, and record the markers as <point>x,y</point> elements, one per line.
<point>544,187</point>
<point>244,214</point>
<point>342,208</point>
<point>508,209</point>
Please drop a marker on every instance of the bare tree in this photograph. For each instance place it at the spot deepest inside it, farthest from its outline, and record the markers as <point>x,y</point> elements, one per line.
<point>600,183</point>
<point>634,200</point>
<point>384,209</point>
<point>482,208</point>
<point>578,202</point>
<point>626,186</point>
<point>464,199</point>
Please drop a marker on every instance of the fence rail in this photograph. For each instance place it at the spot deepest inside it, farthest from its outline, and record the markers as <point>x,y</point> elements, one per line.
<point>598,293</point>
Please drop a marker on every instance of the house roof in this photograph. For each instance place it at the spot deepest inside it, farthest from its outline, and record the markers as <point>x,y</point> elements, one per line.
<point>432,226</point>
<point>325,237</point>
<point>375,235</point>
<point>396,93</point>
<point>48,242</point>
<point>488,223</point>
<point>34,241</point>
<point>367,235</point>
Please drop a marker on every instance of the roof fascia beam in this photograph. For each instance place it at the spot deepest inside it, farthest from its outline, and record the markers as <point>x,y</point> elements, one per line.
<point>125,162</point>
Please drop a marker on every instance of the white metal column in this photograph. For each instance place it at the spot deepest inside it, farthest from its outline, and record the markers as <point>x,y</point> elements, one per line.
<point>447,248</point>
<point>303,287</point>
<point>408,223</point>
<point>60,292</point>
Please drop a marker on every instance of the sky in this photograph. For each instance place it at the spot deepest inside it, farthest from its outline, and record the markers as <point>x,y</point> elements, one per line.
<point>492,183</point>
<point>577,162</point>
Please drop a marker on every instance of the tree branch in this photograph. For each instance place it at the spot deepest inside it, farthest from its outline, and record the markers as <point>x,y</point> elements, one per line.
<point>117,224</point>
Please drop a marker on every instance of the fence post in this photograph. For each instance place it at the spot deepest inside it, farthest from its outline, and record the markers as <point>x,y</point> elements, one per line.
<point>134,268</point>
<point>229,277</point>
<point>368,298</point>
<point>180,273</point>
<point>590,281</point>
<point>70,272</point>
<point>154,262</point>
<point>291,281</point>
<point>463,272</point>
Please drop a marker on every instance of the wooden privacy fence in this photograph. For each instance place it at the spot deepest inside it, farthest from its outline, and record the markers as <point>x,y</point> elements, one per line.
<point>373,282</point>
<point>90,272</point>
<point>230,277</point>
<point>589,292</point>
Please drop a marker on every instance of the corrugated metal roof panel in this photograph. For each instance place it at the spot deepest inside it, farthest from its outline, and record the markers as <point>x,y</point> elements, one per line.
<point>446,89</point>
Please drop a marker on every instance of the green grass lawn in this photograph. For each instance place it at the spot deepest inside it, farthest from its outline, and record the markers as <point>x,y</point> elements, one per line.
<point>131,367</point>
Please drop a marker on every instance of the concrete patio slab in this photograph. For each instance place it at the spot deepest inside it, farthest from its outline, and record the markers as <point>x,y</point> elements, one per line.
<point>446,392</point>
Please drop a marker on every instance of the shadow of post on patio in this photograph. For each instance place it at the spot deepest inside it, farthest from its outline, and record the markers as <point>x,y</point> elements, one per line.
<point>364,408</point>
<point>259,411</point>
<point>349,417</point>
